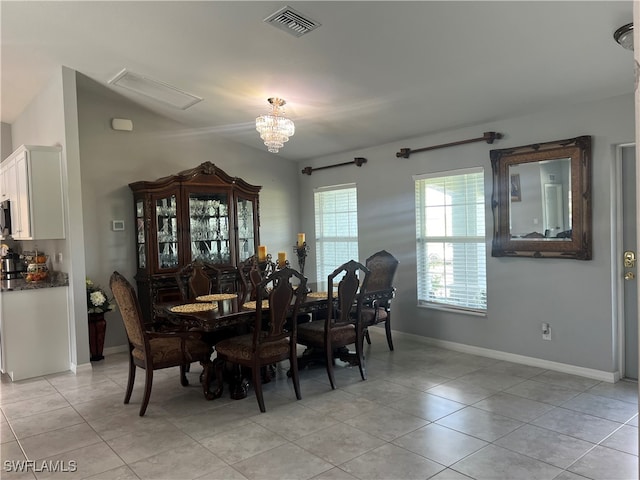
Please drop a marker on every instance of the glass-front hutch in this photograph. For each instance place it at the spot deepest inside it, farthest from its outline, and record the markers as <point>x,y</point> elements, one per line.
<point>198,214</point>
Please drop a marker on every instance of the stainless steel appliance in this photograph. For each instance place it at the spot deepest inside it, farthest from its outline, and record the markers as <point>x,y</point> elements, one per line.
<point>5,218</point>
<point>12,266</point>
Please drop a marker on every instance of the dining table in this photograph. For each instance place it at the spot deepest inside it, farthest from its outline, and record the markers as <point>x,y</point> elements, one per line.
<point>219,316</point>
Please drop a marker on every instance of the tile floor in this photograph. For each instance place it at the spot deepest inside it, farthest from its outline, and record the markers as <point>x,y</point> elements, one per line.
<point>423,413</point>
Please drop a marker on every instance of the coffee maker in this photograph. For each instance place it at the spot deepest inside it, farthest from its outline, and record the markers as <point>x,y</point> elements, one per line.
<point>12,266</point>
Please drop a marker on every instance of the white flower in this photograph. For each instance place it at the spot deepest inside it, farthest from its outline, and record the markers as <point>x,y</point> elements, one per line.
<point>97,298</point>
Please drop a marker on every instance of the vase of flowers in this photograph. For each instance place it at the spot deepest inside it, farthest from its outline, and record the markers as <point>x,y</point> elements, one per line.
<point>97,305</point>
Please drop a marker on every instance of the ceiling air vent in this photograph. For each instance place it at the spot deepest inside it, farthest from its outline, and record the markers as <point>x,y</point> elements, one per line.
<point>291,21</point>
<point>160,91</point>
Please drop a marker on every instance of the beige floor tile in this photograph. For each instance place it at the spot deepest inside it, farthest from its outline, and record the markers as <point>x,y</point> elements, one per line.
<point>386,423</point>
<point>285,462</point>
<point>495,463</point>
<point>33,405</point>
<point>91,460</point>
<point>243,442</point>
<point>294,422</point>
<point>440,444</point>
<point>134,447</point>
<point>56,442</point>
<point>46,422</point>
<point>191,461</point>
<point>390,462</point>
<point>339,443</point>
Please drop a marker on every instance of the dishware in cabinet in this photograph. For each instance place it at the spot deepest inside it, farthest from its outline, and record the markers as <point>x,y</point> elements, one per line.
<point>201,214</point>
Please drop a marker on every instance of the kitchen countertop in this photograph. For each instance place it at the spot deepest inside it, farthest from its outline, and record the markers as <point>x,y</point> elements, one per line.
<point>55,279</point>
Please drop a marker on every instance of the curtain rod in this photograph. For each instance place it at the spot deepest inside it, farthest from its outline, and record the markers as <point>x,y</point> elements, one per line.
<point>358,161</point>
<point>489,137</point>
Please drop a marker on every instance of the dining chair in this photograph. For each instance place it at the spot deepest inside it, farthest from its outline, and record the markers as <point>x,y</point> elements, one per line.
<point>155,350</point>
<point>343,323</point>
<point>382,266</point>
<point>244,282</point>
<point>273,337</point>
<point>193,280</point>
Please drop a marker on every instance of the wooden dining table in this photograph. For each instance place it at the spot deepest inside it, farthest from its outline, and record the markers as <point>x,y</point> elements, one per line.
<point>228,317</point>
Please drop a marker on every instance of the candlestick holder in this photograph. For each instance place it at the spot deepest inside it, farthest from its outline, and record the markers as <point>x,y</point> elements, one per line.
<point>301,252</point>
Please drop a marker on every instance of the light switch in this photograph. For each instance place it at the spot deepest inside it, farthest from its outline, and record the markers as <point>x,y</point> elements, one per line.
<point>117,225</point>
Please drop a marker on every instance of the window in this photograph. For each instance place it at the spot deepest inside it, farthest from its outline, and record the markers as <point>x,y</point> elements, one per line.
<point>450,240</point>
<point>336,213</point>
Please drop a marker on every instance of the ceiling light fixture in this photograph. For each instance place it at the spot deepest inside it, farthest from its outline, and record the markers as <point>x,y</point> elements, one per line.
<point>624,36</point>
<point>274,128</point>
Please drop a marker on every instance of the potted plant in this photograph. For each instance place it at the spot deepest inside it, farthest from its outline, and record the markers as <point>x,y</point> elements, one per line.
<point>98,303</point>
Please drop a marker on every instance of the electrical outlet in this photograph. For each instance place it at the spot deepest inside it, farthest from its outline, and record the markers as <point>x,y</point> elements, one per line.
<point>546,331</point>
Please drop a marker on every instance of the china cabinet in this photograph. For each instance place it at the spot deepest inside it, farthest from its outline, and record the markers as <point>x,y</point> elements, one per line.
<point>201,214</point>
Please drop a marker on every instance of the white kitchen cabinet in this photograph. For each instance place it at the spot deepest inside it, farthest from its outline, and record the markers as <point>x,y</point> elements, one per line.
<point>34,332</point>
<point>33,178</point>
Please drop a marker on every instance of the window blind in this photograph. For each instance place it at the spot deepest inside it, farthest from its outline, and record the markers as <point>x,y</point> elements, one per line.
<point>450,239</point>
<point>336,218</point>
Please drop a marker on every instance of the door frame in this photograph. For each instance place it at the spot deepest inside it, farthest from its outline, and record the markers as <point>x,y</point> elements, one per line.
<point>617,280</point>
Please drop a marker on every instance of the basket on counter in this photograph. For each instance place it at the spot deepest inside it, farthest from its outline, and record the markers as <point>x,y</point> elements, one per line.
<point>37,269</point>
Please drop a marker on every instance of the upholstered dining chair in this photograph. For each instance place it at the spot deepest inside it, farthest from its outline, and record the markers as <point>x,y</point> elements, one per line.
<point>273,338</point>
<point>383,268</point>
<point>154,350</point>
<point>343,323</point>
<point>193,281</point>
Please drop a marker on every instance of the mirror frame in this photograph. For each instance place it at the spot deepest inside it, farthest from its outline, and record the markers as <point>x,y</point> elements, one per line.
<point>578,150</point>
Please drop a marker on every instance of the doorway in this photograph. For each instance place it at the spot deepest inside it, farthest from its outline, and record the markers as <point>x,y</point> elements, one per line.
<point>627,275</point>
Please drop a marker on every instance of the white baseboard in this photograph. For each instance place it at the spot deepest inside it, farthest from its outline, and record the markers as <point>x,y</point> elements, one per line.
<point>601,375</point>
<point>84,367</point>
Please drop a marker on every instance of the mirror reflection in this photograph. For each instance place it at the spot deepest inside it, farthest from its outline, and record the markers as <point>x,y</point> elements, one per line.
<point>542,200</point>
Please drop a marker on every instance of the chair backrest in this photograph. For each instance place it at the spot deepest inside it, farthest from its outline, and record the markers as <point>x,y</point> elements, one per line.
<point>199,282</point>
<point>127,301</point>
<point>279,320</point>
<point>355,278</point>
<point>244,268</point>
<point>383,268</point>
<point>255,276</point>
<point>193,280</point>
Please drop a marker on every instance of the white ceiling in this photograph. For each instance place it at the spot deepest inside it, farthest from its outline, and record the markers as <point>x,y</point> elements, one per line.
<point>374,72</point>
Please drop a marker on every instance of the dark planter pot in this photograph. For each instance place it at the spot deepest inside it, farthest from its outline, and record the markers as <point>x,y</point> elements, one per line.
<point>97,330</point>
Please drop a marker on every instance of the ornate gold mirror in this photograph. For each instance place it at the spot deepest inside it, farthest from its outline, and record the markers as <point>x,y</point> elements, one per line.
<point>542,200</point>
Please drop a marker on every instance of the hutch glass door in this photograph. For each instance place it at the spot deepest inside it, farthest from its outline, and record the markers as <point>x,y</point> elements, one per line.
<point>246,233</point>
<point>167,232</point>
<point>209,224</point>
<point>140,235</point>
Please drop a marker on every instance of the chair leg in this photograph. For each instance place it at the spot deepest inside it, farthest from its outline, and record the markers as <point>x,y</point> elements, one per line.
<point>147,389</point>
<point>366,335</point>
<point>330,360</point>
<point>183,375</point>
<point>218,365</point>
<point>360,356</point>
<point>257,386</point>
<point>293,368</point>
<point>387,328</point>
<point>206,380</point>
<point>132,377</point>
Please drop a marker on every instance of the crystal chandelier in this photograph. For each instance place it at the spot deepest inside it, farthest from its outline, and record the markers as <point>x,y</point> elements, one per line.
<point>274,128</point>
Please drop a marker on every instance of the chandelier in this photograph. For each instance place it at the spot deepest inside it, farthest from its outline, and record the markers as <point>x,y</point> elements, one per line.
<point>274,128</point>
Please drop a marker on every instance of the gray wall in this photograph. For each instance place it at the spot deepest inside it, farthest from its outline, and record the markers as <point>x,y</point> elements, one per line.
<point>5,140</point>
<point>573,296</point>
<point>158,147</point>
<point>51,119</point>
